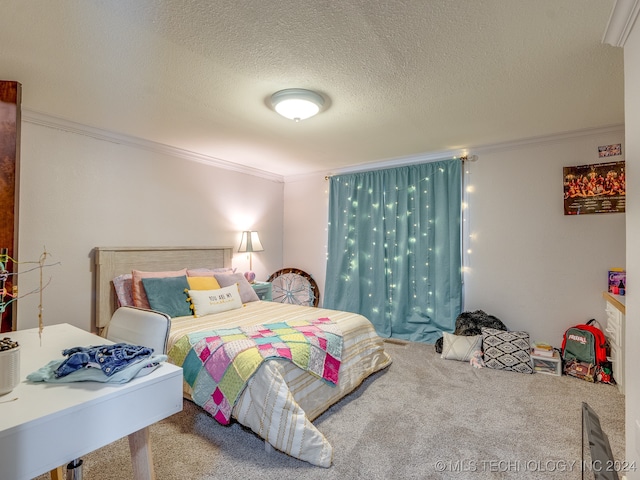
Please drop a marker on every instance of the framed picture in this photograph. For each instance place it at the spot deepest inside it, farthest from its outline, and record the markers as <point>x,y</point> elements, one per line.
<point>597,188</point>
<point>610,150</point>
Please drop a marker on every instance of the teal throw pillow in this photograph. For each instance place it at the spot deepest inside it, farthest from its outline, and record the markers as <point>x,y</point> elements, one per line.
<point>167,295</point>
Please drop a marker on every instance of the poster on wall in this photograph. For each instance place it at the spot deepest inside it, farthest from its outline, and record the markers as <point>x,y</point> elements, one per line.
<point>596,188</point>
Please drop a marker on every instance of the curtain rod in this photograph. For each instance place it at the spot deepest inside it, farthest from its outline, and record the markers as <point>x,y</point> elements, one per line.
<point>464,158</point>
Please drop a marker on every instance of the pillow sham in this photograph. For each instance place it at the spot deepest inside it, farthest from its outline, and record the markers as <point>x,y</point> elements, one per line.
<point>168,295</point>
<point>506,350</point>
<point>208,272</point>
<point>460,347</point>
<point>203,283</point>
<point>139,294</point>
<point>247,294</point>
<point>122,286</point>
<point>205,302</point>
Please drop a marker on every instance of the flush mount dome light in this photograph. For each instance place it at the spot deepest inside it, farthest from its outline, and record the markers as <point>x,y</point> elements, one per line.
<point>296,103</point>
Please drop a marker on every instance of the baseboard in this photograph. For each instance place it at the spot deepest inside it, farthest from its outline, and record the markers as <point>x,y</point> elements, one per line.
<point>396,341</point>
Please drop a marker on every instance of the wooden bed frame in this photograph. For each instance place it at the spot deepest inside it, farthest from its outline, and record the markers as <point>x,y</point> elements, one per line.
<point>113,261</point>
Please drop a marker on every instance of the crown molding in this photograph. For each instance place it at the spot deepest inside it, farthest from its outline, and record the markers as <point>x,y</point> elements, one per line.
<point>461,152</point>
<point>49,121</point>
<point>621,21</point>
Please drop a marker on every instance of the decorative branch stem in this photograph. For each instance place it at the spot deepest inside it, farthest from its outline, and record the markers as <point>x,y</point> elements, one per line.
<point>43,258</point>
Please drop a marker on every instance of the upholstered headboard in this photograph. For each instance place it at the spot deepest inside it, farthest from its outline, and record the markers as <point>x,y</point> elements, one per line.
<point>113,261</point>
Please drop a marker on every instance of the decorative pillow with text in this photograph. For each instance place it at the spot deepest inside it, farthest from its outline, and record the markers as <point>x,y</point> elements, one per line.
<point>206,302</point>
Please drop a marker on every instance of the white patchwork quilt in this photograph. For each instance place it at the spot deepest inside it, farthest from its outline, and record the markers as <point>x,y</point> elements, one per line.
<point>281,400</point>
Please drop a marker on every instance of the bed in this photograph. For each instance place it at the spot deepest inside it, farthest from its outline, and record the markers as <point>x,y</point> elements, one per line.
<point>280,400</point>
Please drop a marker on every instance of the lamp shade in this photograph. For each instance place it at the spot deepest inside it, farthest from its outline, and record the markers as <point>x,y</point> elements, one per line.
<point>250,242</point>
<point>297,103</point>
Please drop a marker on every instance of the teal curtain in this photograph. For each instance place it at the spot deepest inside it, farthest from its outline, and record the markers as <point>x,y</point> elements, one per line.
<point>394,251</point>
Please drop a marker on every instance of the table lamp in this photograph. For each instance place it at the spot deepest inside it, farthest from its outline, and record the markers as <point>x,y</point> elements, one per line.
<point>250,242</point>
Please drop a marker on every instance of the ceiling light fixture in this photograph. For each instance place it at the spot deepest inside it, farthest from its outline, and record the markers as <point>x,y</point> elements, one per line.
<point>297,103</point>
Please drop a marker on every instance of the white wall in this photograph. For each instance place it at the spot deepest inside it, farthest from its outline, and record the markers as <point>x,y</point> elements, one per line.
<point>632,126</point>
<point>306,210</point>
<point>78,192</point>
<point>531,266</point>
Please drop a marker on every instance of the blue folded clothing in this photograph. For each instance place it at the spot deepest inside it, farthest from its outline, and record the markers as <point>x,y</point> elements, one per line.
<point>138,368</point>
<point>109,358</point>
<point>117,363</point>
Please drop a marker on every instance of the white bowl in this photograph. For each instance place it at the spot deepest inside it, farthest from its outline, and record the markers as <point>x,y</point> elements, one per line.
<point>9,370</point>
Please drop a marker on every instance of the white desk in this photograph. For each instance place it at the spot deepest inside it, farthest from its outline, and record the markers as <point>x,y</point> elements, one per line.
<point>50,424</point>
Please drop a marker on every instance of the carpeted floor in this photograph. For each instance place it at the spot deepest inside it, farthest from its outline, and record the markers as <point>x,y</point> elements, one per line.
<point>422,418</point>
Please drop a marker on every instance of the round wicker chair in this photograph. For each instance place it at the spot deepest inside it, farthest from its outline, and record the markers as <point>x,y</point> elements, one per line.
<point>292,285</point>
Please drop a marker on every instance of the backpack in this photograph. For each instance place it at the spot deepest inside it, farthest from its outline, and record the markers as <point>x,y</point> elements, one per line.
<point>585,343</point>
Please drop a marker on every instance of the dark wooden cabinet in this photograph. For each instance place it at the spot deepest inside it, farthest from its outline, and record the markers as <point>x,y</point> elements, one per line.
<point>10,102</point>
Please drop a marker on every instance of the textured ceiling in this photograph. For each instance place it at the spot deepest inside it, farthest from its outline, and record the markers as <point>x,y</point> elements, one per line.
<point>403,77</point>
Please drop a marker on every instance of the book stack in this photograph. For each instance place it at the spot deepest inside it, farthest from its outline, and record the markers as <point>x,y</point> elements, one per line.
<point>542,349</point>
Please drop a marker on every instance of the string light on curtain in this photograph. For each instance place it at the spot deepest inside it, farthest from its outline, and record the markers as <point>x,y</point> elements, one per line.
<point>385,243</point>
<point>468,236</point>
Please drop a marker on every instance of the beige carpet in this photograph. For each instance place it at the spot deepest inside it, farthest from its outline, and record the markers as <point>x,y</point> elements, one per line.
<point>422,418</point>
